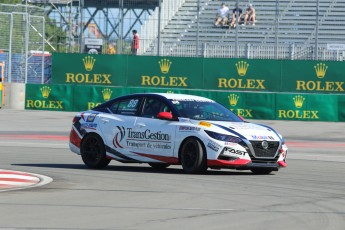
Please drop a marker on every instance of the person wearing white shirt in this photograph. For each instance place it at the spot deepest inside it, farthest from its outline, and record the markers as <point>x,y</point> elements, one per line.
<point>222,15</point>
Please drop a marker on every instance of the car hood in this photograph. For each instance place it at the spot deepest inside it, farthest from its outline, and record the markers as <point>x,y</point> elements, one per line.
<point>247,130</point>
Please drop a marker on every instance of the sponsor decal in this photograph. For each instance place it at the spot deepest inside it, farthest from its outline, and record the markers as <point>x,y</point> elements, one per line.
<point>141,139</point>
<point>148,135</point>
<point>213,145</point>
<point>260,137</point>
<point>106,94</point>
<point>204,123</point>
<point>230,144</point>
<point>91,117</point>
<point>233,99</point>
<point>189,129</point>
<point>171,81</point>
<point>88,126</point>
<point>298,113</point>
<point>119,136</point>
<point>319,86</point>
<point>45,104</point>
<point>240,83</point>
<point>88,78</point>
<point>231,151</point>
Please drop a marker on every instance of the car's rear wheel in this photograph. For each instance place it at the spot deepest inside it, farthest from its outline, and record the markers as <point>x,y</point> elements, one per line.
<point>261,171</point>
<point>92,151</point>
<point>193,156</point>
<point>159,166</point>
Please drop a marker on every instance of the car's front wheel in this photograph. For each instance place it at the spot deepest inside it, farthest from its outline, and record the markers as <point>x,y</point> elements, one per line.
<point>92,151</point>
<point>193,156</point>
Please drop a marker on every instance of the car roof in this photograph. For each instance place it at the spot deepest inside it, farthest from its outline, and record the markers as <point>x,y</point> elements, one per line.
<point>173,96</point>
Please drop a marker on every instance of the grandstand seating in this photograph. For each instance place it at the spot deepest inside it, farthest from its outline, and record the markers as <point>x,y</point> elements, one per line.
<point>282,22</point>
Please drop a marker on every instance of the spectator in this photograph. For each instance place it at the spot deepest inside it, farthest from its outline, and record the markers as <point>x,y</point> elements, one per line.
<point>111,49</point>
<point>250,15</point>
<point>236,18</point>
<point>222,15</point>
<point>135,43</point>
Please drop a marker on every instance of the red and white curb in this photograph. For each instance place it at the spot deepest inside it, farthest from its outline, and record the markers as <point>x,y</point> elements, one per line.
<point>13,180</point>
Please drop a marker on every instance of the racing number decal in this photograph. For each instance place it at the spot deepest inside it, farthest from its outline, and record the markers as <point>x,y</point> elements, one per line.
<point>132,103</point>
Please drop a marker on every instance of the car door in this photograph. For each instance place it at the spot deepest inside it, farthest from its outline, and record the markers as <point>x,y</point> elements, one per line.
<point>116,127</point>
<point>157,135</point>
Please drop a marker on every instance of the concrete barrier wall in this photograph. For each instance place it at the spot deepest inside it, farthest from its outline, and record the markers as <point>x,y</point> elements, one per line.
<point>14,96</point>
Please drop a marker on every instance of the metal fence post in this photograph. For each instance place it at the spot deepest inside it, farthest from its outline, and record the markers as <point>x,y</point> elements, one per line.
<point>317,31</point>
<point>236,37</point>
<point>197,29</point>
<point>9,72</point>
<point>292,51</point>
<point>276,31</point>
<point>159,27</point>
<point>27,30</point>
<point>43,56</point>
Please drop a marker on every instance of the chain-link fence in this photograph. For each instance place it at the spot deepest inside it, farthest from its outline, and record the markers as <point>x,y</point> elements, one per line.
<point>22,44</point>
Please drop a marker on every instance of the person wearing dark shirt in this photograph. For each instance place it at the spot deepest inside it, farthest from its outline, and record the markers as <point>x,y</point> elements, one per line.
<point>236,18</point>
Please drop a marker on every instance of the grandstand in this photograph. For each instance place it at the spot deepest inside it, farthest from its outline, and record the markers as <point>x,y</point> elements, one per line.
<point>286,29</point>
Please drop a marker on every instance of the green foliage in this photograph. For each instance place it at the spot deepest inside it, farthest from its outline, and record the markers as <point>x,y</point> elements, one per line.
<point>54,34</point>
<point>11,2</point>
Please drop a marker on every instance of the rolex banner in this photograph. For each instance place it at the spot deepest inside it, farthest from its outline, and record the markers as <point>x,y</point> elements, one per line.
<point>49,97</point>
<point>89,69</point>
<point>249,105</point>
<point>200,73</point>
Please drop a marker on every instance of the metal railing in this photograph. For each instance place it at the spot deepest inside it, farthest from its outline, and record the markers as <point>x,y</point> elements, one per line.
<point>251,51</point>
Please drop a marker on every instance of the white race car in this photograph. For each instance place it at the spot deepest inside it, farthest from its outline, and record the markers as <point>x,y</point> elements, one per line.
<point>174,129</point>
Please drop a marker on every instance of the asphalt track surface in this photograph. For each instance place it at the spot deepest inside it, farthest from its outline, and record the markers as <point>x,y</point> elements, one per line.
<point>308,194</point>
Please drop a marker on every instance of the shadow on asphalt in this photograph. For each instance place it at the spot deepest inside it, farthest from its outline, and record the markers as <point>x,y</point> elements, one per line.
<point>136,169</point>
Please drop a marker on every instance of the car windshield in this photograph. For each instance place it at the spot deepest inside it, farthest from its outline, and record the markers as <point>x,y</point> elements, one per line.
<point>204,110</point>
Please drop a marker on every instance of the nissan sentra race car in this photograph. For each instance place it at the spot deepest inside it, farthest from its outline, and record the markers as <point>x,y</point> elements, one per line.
<point>174,129</point>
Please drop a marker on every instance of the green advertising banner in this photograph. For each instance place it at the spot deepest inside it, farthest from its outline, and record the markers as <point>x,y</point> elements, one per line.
<point>89,69</point>
<point>249,105</point>
<point>170,72</point>
<point>244,75</point>
<point>200,73</point>
<point>313,77</point>
<point>307,107</point>
<point>87,97</point>
<point>49,97</point>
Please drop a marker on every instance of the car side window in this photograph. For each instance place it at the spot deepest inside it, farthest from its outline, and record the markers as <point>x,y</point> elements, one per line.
<point>127,107</point>
<point>154,106</point>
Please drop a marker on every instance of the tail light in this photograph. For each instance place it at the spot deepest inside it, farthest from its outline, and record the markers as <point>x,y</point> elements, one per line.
<point>75,119</point>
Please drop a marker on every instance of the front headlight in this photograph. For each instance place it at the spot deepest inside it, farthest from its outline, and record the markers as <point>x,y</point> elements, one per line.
<point>223,137</point>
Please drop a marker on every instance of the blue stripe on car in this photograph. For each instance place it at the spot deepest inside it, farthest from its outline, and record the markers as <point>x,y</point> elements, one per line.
<point>230,130</point>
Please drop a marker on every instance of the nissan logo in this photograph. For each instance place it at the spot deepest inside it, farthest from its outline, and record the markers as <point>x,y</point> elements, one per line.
<point>264,145</point>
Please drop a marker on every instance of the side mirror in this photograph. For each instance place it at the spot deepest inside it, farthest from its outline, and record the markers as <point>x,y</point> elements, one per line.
<point>165,116</point>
